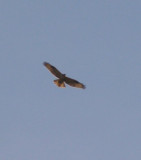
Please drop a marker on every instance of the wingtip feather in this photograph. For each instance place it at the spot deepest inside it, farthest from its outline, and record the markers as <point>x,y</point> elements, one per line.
<point>45,63</point>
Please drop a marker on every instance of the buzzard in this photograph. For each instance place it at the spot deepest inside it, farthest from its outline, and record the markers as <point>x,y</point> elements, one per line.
<point>62,78</point>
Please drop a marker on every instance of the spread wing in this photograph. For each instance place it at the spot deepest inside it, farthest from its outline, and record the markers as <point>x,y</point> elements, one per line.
<point>74,83</point>
<point>53,70</point>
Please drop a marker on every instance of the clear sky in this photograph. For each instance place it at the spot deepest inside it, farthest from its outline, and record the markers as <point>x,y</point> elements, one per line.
<point>97,42</point>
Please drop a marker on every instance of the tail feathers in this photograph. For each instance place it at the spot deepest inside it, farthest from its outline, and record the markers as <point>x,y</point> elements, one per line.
<point>59,83</point>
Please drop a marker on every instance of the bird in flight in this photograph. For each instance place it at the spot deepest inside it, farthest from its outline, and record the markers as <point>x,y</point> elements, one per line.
<point>62,78</point>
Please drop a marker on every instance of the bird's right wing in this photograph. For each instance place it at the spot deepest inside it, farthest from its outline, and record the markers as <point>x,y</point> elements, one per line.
<point>53,70</point>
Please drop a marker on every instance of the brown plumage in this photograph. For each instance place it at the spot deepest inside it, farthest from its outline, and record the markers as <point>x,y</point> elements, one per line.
<point>62,78</point>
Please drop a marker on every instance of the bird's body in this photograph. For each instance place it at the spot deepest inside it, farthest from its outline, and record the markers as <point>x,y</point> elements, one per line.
<point>62,78</point>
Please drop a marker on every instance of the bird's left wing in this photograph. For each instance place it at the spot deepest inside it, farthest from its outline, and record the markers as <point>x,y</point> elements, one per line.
<point>74,83</point>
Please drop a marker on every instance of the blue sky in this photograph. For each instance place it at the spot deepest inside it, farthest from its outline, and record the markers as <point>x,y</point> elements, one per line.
<point>95,42</point>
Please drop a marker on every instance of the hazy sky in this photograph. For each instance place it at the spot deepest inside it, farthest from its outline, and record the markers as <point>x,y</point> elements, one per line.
<point>97,42</point>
